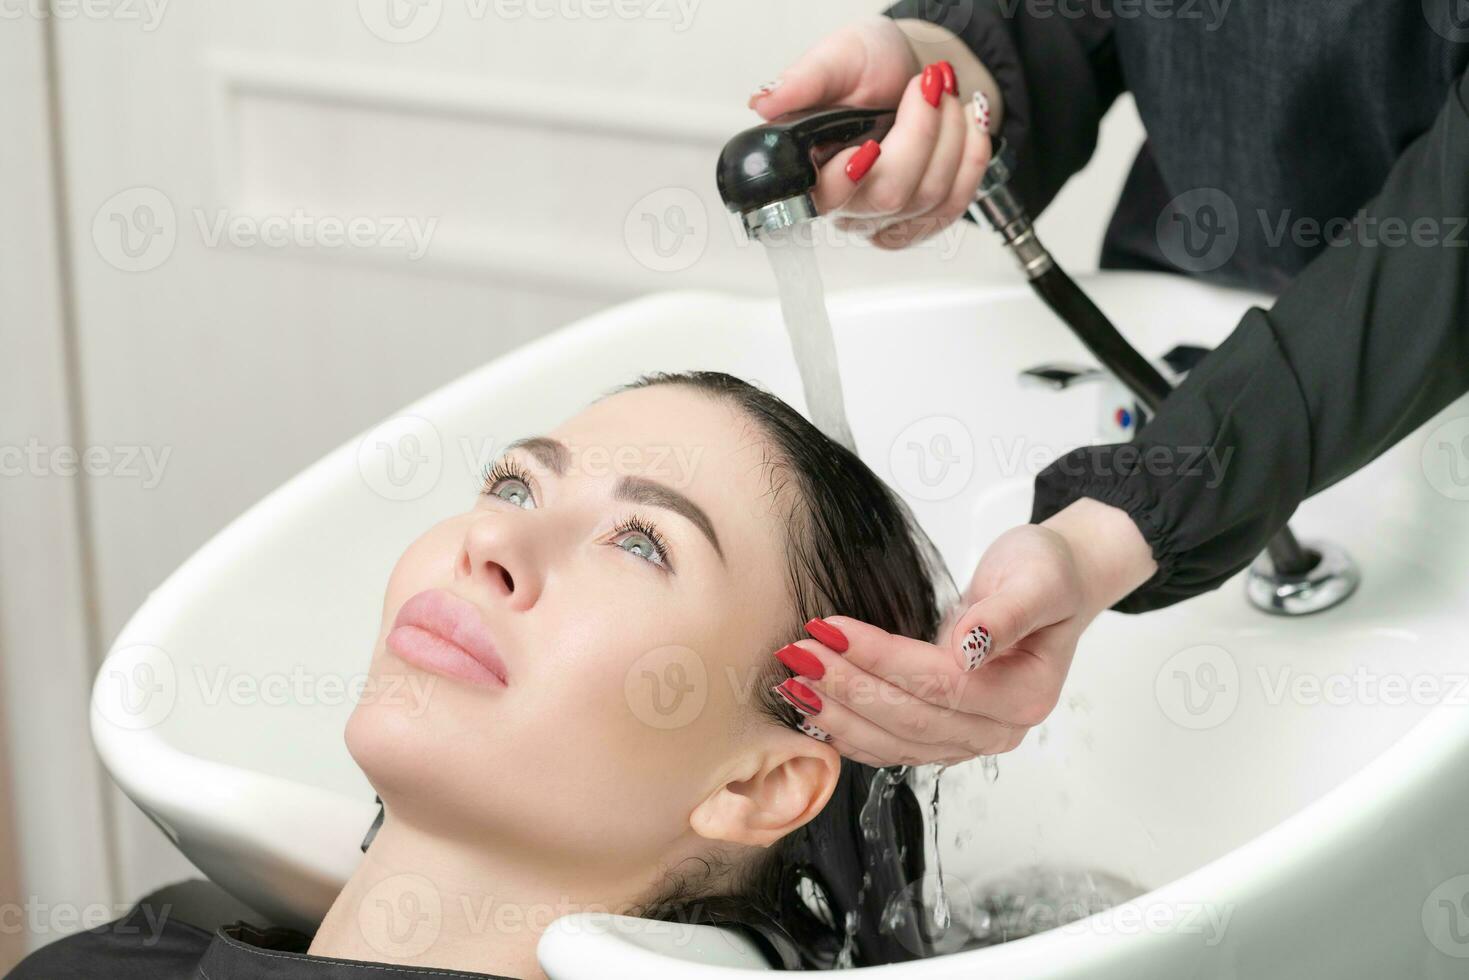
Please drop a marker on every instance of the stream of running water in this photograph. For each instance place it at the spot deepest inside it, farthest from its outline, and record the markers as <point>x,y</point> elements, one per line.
<point>803,305</point>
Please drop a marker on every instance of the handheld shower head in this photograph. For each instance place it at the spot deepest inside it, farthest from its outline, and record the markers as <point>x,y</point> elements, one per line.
<point>766,174</point>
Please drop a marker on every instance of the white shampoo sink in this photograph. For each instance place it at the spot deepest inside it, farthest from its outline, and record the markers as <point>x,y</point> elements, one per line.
<point>1291,793</point>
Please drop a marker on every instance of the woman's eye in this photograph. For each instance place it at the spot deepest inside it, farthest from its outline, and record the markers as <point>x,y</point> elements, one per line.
<point>514,491</point>
<point>640,544</point>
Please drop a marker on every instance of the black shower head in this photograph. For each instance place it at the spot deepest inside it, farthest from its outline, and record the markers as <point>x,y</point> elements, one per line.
<point>766,174</point>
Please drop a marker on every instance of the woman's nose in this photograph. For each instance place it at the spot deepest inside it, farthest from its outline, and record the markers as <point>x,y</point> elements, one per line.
<point>497,558</point>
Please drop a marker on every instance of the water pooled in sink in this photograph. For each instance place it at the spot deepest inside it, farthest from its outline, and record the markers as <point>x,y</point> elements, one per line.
<point>803,306</point>
<point>1038,899</point>
<point>953,915</point>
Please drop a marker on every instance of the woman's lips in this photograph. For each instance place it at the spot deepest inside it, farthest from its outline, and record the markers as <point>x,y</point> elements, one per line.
<point>444,634</point>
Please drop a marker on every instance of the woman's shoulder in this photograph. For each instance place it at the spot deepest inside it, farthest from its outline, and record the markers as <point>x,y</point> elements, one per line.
<point>148,943</point>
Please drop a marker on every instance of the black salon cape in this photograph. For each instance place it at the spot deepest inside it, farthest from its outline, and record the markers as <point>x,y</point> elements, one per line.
<point>134,948</point>
<point>1281,110</point>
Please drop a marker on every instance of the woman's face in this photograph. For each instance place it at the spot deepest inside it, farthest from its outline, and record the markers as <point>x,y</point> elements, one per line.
<point>629,575</point>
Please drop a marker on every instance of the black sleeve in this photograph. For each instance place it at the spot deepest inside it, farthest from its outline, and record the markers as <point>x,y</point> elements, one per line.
<point>1369,342</point>
<point>1057,76</point>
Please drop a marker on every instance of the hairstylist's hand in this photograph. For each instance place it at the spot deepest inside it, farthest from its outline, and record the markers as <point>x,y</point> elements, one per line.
<point>927,169</point>
<point>889,700</point>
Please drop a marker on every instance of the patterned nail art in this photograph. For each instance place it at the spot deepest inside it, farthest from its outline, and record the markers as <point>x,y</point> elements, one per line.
<point>976,647</point>
<point>807,728</point>
<point>767,88</point>
<point>799,696</point>
<point>982,111</point>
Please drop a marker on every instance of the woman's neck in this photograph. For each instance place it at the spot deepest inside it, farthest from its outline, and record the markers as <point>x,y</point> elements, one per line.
<point>421,899</point>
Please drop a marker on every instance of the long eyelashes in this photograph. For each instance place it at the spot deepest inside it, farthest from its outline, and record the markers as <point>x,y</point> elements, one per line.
<point>506,469</point>
<point>662,553</point>
<point>499,471</point>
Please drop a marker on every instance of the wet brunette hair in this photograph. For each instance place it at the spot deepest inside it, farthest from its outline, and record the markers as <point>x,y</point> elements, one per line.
<point>820,896</point>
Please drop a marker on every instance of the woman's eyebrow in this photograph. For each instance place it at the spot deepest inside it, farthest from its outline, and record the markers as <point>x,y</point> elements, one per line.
<point>639,490</point>
<point>550,453</point>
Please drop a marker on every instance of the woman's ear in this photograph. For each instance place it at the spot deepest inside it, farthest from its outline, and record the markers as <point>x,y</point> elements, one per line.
<point>771,793</point>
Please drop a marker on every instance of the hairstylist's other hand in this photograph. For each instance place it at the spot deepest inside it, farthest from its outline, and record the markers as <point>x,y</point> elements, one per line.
<point>925,173</point>
<point>890,700</point>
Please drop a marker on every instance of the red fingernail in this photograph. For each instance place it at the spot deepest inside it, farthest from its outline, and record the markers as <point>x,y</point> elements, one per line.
<point>821,630</point>
<point>799,696</point>
<point>801,661</point>
<point>933,85</point>
<point>951,81</point>
<point>863,160</point>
